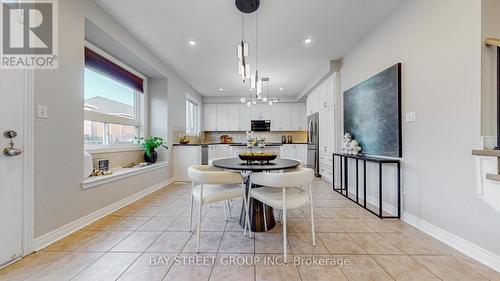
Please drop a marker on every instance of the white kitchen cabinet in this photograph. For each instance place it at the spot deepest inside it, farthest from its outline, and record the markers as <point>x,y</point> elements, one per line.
<point>185,156</point>
<point>244,117</point>
<point>222,120</point>
<point>280,117</point>
<point>233,117</point>
<point>217,151</point>
<point>326,130</point>
<point>210,120</point>
<point>260,112</point>
<point>322,97</point>
<point>294,151</point>
<point>298,117</point>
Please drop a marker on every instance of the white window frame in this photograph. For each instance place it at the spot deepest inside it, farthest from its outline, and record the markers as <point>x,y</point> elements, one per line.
<point>197,117</point>
<point>141,112</point>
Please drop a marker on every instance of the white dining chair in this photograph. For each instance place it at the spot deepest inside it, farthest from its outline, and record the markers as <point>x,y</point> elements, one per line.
<point>210,185</point>
<point>285,191</point>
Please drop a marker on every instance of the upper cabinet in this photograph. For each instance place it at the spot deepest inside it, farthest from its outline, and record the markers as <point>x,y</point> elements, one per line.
<point>322,97</point>
<point>238,117</point>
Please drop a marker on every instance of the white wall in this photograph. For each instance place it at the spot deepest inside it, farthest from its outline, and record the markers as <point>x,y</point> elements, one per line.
<point>438,43</point>
<point>490,28</point>
<point>59,140</point>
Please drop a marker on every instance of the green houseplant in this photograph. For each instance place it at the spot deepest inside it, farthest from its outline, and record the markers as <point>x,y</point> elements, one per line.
<point>150,144</point>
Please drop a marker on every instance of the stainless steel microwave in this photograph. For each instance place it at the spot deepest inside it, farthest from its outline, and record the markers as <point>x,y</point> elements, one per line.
<point>261,125</point>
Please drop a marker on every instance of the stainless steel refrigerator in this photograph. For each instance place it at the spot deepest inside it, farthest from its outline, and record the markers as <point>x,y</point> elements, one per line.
<point>313,143</point>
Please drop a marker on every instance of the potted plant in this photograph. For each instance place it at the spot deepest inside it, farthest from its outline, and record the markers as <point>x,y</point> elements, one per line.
<point>150,144</point>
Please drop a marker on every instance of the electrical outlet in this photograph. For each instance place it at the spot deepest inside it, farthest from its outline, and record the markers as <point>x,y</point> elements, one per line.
<point>411,117</point>
<point>42,111</point>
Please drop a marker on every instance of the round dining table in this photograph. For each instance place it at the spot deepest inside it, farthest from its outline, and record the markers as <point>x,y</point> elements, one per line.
<point>257,210</point>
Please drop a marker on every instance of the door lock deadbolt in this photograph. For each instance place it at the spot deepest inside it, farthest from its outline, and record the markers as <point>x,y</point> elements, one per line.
<point>11,151</point>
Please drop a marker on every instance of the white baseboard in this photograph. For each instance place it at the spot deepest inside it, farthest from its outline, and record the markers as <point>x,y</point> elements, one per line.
<point>69,228</point>
<point>468,248</point>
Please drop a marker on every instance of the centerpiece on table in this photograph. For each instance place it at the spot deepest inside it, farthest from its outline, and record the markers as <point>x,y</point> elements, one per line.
<point>150,144</point>
<point>260,156</point>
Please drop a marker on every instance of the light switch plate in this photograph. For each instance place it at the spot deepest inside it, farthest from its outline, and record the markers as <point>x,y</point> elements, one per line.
<point>411,117</point>
<point>42,111</point>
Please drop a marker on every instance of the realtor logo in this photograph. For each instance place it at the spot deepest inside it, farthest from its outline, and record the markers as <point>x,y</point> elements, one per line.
<point>29,34</point>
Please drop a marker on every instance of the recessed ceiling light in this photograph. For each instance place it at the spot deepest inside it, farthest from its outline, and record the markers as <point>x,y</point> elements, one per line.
<point>220,89</point>
<point>308,41</point>
<point>192,42</point>
<point>281,89</point>
<point>250,89</point>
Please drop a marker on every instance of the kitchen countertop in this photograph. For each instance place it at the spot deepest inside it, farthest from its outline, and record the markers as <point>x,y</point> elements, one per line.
<point>234,144</point>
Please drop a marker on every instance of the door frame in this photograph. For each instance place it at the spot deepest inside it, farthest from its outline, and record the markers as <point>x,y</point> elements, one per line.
<point>28,163</point>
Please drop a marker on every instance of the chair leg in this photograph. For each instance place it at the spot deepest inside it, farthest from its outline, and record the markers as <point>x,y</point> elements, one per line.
<point>229,208</point>
<point>248,197</point>
<point>191,208</point>
<point>285,238</point>
<point>198,230</point>
<point>225,214</point>
<point>313,228</point>
<point>247,216</point>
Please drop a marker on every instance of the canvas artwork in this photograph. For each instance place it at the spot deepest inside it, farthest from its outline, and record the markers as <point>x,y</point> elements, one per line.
<point>372,113</point>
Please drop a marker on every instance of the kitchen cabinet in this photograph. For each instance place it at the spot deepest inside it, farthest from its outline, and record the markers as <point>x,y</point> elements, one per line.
<point>323,96</point>
<point>298,117</point>
<point>185,156</point>
<point>294,151</point>
<point>326,130</point>
<point>244,117</point>
<point>219,151</point>
<point>210,120</point>
<point>237,117</point>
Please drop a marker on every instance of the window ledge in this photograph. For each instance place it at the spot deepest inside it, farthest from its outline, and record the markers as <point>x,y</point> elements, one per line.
<point>108,149</point>
<point>120,173</point>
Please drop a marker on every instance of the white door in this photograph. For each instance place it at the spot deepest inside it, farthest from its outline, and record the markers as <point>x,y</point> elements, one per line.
<point>11,168</point>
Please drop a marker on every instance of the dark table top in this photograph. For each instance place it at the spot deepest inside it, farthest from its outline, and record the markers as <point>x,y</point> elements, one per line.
<point>240,165</point>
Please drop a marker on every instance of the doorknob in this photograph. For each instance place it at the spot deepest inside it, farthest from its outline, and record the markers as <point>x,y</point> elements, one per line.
<point>11,151</point>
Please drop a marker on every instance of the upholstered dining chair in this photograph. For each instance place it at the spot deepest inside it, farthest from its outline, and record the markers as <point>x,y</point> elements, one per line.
<point>285,191</point>
<point>210,185</point>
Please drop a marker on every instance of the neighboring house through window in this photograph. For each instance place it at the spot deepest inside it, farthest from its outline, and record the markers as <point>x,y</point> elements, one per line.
<point>192,116</point>
<point>113,101</point>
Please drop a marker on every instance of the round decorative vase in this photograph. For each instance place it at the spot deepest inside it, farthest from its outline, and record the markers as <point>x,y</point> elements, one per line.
<point>152,158</point>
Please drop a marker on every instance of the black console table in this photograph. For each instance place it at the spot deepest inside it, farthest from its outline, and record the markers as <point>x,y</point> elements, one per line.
<point>344,180</point>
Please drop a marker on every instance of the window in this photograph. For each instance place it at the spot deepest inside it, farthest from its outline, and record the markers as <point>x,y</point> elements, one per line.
<point>113,106</point>
<point>192,117</point>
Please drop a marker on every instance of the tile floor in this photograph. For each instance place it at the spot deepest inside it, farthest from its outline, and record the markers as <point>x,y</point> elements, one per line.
<point>150,240</point>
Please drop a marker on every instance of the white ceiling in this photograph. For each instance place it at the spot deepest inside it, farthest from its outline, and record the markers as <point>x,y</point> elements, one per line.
<point>166,26</point>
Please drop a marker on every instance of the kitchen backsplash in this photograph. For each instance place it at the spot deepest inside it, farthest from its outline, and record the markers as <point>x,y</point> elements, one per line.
<point>240,137</point>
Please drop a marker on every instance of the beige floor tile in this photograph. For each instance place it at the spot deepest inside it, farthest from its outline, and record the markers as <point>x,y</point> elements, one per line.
<point>181,224</point>
<point>130,223</point>
<point>318,268</point>
<point>479,268</point>
<point>138,241</point>
<point>340,243</point>
<point>103,241</point>
<point>373,243</point>
<point>417,244</point>
<point>108,267</point>
<point>278,271</point>
<point>157,224</point>
<point>209,242</point>
<point>103,223</point>
<point>192,268</point>
<point>363,268</point>
<point>65,267</point>
<point>170,242</point>
<point>404,268</point>
<point>212,224</point>
<point>353,225</point>
<point>301,243</point>
<point>269,243</point>
<point>234,226</point>
<point>298,225</point>
<point>148,211</point>
<point>326,225</point>
<point>449,268</point>
<point>149,266</point>
<point>233,268</point>
<point>126,211</point>
<point>388,225</point>
<point>234,242</point>
<point>339,213</point>
<point>72,241</point>
<point>24,268</point>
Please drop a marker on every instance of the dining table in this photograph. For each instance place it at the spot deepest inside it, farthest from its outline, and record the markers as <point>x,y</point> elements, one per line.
<point>261,215</point>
